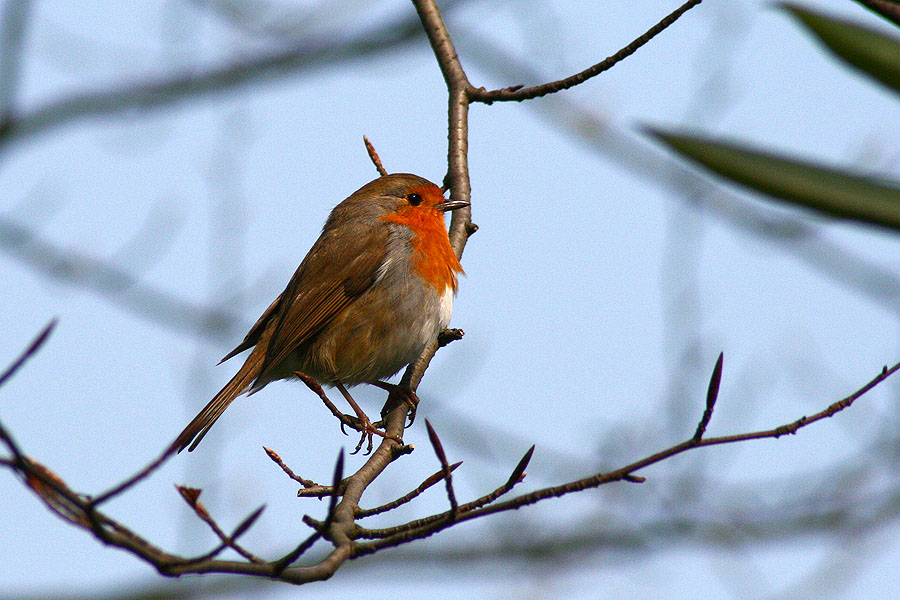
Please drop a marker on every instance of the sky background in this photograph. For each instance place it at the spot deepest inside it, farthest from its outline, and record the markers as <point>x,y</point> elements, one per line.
<point>600,288</point>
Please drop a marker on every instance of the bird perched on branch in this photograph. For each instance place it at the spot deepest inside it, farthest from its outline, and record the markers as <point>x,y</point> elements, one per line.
<point>373,291</point>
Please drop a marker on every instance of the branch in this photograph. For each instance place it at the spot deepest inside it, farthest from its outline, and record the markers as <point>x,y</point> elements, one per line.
<point>430,481</point>
<point>306,483</point>
<point>445,467</point>
<point>517,93</point>
<point>32,348</point>
<point>793,235</point>
<point>12,35</point>
<point>112,282</point>
<point>376,160</point>
<point>163,91</point>
<point>191,496</point>
<point>426,527</point>
<point>339,526</point>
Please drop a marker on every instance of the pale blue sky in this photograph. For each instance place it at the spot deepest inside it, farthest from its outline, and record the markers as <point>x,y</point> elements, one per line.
<point>585,283</point>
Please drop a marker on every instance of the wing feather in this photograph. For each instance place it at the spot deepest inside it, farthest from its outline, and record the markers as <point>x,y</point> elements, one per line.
<point>339,268</point>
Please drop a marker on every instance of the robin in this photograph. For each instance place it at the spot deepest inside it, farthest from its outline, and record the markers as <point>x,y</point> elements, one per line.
<point>373,291</point>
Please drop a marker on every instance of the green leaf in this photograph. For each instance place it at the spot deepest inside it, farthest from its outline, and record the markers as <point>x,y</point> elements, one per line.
<point>838,193</point>
<point>887,9</point>
<point>863,48</point>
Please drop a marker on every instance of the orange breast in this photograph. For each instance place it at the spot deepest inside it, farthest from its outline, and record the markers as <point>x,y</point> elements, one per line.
<point>433,258</point>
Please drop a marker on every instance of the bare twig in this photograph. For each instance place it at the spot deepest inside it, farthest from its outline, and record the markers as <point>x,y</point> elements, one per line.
<point>340,527</point>
<point>192,495</point>
<point>136,478</point>
<point>376,160</point>
<point>307,483</point>
<point>445,466</point>
<point>430,481</point>
<point>33,347</point>
<point>517,93</point>
<point>516,477</point>
<point>712,393</point>
<point>281,564</point>
<point>424,527</point>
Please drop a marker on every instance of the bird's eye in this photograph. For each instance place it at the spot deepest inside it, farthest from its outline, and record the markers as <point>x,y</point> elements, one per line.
<point>414,199</point>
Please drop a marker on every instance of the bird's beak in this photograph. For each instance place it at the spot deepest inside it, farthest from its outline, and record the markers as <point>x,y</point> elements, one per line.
<point>448,205</point>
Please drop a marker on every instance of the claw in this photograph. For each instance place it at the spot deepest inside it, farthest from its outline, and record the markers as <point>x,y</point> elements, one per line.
<point>408,396</point>
<point>362,422</point>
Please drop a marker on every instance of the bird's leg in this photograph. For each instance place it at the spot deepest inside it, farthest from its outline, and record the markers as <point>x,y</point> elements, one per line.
<point>312,384</point>
<point>365,425</point>
<point>360,422</point>
<point>407,395</point>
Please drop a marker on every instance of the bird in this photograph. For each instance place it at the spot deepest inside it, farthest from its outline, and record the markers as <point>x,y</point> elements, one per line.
<point>373,291</point>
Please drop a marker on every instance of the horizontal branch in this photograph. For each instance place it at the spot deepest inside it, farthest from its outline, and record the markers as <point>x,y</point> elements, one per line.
<point>169,89</point>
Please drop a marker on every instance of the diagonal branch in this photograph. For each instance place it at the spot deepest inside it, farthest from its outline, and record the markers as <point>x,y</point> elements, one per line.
<point>517,93</point>
<point>32,348</point>
<point>191,496</point>
<point>430,481</point>
<point>168,90</point>
<point>425,527</point>
<point>445,467</point>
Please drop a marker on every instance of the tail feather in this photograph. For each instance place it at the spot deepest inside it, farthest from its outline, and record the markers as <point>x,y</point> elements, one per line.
<point>197,428</point>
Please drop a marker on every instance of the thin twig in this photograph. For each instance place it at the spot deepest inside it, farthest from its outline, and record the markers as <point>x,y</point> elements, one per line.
<point>425,527</point>
<point>136,478</point>
<point>712,393</point>
<point>307,483</point>
<point>430,481</point>
<point>33,347</point>
<point>517,94</point>
<point>516,477</point>
<point>445,466</point>
<point>192,495</point>
<point>376,160</point>
<point>282,563</point>
<point>78,510</point>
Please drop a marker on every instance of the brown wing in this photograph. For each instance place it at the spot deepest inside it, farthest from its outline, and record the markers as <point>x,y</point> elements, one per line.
<point>255,332</point>
<point>339,267</point>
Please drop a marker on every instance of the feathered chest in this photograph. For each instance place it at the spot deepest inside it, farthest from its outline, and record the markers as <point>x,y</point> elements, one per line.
<point>420,240</point>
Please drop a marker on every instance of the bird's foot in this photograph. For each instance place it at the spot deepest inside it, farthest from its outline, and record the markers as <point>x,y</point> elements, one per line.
<point>405,394</point>
<point>361,423</point>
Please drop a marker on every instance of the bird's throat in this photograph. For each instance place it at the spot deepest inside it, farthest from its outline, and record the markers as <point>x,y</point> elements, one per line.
<point>433,257</point>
